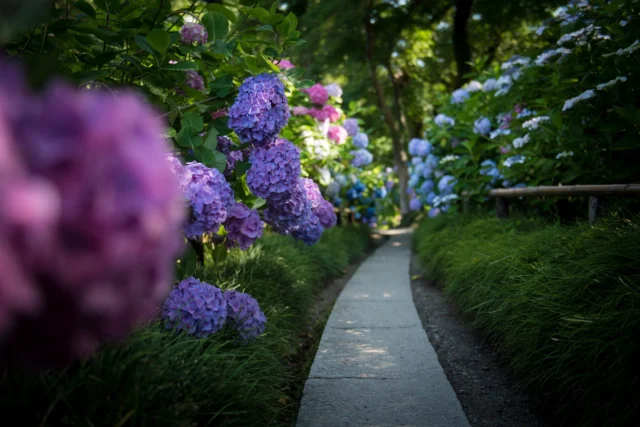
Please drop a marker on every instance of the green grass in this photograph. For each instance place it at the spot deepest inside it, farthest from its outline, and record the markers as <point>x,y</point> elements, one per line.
<point>560,303</point>
<point>158,378</point>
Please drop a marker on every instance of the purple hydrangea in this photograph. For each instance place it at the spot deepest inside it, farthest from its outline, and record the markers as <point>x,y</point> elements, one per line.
<point>244,314</point>
<point>419,147</point>
<point>194,80</point>
<point>352,127</point>
<point>361,140</point>
<point>334,90</point>
<point>196,308</point>
<point>209,196</point>
<point>319,206</point>
<point>275,169</point>
<point>193,33</point>
<point>361,158</point>
<point>89,220</point>
<point>285,215</point>
<point>225,146</point>
<point>415,204</point>
<point>243,226</point>
<point>309,231</point>
<point>260,111</point>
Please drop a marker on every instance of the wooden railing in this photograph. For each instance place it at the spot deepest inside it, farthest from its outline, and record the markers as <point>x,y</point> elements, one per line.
<point>594,192</point>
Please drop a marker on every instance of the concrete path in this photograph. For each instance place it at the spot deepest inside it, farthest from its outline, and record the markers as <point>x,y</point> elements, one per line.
<point>375,365</point>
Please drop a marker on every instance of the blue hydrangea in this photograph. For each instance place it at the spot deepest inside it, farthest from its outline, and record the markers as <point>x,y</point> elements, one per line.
<point>482,126</point>
<point>196,308</point>
<point>209,196</point>
<point>488,168</point>
<point>361,158</point>
<point>446,184</point>
<point>459,96</point>
<point>443,120</point>
<point>430,198</point>
<point>381,193</point>
<point>333,189</point>
<point>415,161</point>
<point>351,125</point>
<point>419,147</point>
<point>370,212</point>
<point>415,204</point>
<point>427,187</point>
<point>244,314</point>
<point>359,187</point>
<point>260,110</point>
<point>337,201</point>
<point>275,169</point>
<point>309,231</point>
<point>361,140</point>
<point>431,162</point>
<point>285,215</point>
<point>352,194</point>
<point>414,180</point>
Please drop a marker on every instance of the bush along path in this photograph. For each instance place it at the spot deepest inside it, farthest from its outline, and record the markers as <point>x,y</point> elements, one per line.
<point>375,365</point>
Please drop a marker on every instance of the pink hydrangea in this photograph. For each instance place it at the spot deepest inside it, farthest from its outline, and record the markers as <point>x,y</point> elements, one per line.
<point>193,33</point>
<point>338,134</point>
<point>299,110</point>
<point>284,64</point>
<point>327,112</point>
<point>318,94</point>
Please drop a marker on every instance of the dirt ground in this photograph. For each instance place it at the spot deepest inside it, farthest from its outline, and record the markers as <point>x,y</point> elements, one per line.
<point>486,393</point>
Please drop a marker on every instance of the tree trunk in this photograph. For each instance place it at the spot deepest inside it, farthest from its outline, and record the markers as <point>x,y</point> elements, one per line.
<point>395,126</point>
<point>461,47</point>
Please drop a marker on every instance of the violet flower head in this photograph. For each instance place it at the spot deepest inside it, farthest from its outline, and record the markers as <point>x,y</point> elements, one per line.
<point>275,169</point>
<point>209,196</point>
<point>361,158</point>
<point>244,314</point>
<point>318,94</point>
<point>334,90</point>
<point>285,215</point>
<point>225,146</point>
<point>327,112</point>
<point>309,231</point>
<point>196,308</point>
<point>319,206</point>
<point>415,204</point>
<point>193,33</point>
<point>338,134</point>
<point>260,110</point>
<point>243,226</point>
<point>194,80</point>
<point>89,221</point>
<point>361,140</point>
<point>351,126</point>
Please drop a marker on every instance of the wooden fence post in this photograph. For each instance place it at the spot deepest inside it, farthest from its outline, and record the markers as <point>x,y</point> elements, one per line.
<point>593,209</point>
<point>502,207</point>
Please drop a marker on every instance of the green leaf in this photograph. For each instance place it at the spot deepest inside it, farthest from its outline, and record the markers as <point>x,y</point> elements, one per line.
<point>143,44</point>
<point>188,262</point>
<point>630,115</point>
<point>221,25</point>
<point>156,90</point>
<point>187,139</point>
<point>270,64</point>
<point>86,8</point>
<point>241,168</point>
<point>192,121</point>
<point>283,28</point>
<point>258,203</point>
<point>222,85</point>
<point>274,7</point>
<point>101,4</point>
<point>219,161</point>
<point>221,125</point>
<point>252,64</point>
<point>182,66</point>
<point>293,23</point>
<point>160,40</point>
<point>220,48</point>
<point>171,133</point>
<point>213,7</point>
<point>261,13</point>
<point>211,142</point>
<point>89,76</point>
<point>265,28</point>
<point>209,23</point>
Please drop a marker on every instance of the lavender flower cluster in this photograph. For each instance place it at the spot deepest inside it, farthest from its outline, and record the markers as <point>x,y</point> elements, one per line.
<point>200,309</point>
<point>361,158</point>
<point>89,219</point>
<point>260,110</point>
<point>193,33</point>
<point>275,169</point>
<point>243,226</point>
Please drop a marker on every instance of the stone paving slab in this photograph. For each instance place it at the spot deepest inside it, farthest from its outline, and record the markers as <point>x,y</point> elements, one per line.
<point>375,353</point>
<point>373,314</point>
<point>375,365</point>
<point>377,402</point>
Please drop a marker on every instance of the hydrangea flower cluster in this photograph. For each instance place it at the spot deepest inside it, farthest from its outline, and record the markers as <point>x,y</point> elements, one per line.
<point>285,64</point>
<point>482,126</point>
<point>233,156</point>
<point>194,80</point>
<point>243,226</point>
<point>361,158</point>
<point>260,111</point>
<point>285,215</point>
<point>193,33</point>
<point>443,120</point>
<point>328,112</point>
<point>446,184</point>
<point>196,308</point>
<point>244,314</point>
<point>338,134</point>
<point>309,231</point>
<point>318,94</point>
<point>513,160</point>
<point>419,147</point>
<point>351,126</point>
<point>89,219</point>
<point>534,123</point>
<point>415,204</point>
<point>209,196</point>
<point>320,207</point>
<point>473,86</point>
<point>361,140</point>
<point>521,142</point>
<point>569,103</point>
<point>459,96</point>
<point>334,90</point>
<point>274,169</point>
